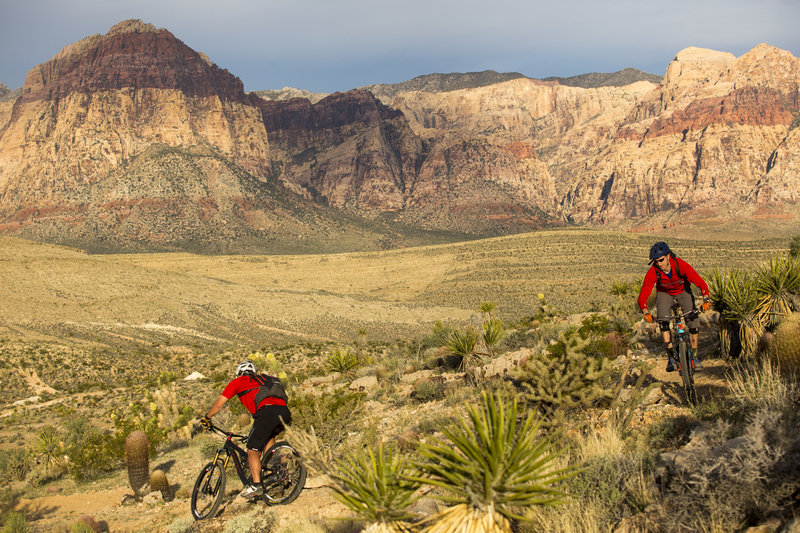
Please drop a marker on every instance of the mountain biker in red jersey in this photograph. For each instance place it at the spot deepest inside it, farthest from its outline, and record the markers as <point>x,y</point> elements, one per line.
<point>673,278</point>
<point>269,415</point>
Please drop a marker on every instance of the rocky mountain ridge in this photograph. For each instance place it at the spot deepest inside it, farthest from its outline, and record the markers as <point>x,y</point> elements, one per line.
<point>132,140</point>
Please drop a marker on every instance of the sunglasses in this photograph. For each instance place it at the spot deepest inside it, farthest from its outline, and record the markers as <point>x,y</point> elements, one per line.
<point>661,259</point>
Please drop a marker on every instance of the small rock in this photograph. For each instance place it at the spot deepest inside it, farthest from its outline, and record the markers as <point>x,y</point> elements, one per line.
<point>194,376</point>
<point>52,490</point>
<point>365,383</point>
<point>153,498</point>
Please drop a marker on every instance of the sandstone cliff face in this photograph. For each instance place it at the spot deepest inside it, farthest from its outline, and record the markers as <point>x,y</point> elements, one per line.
<point>351,151</point>
<point>108,98</point>
<point>131,140</point>
<point>713,132</point>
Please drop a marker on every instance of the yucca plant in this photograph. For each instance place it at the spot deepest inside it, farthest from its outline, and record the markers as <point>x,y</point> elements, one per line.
<point>493,332</point>
<point>778,282</point>
<point>486,308</point>
<point>342,360</point>
<point>379,487</point>
<point>490,465</point>
<point>736,297</point>
<point>463,342</point>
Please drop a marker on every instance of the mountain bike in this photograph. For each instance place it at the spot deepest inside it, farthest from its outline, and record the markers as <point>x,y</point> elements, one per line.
<point>283,475</point>
<point>680,345</point>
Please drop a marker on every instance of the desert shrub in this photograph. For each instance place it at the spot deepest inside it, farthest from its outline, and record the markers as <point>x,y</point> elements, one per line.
<point>166,377</point>
<point>794,245</point>
<point>463,343</point>
<point>737,482</point>
<point>81,527</point>
<point>92,456</point>
<point>332,416</point>
<point>753,385</point>
<point>15,464</point>
<point>493,332</point>
<point>620,288</point>
<point>258,521</point>
<point>670,433</point>
<point>428,390</point>
<point>16,523</point>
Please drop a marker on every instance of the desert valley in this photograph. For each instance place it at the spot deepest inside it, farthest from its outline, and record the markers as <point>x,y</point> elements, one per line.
<point>441,271</point>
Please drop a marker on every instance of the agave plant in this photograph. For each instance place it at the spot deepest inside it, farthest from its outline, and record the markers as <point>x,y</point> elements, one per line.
<point>778,282</point>
<point>379,487</point>
<point>489,465</point>
<point>342,360</point>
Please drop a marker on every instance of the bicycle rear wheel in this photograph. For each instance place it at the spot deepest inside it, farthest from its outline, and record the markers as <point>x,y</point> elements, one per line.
<point>687,373</point>
<point>208,491</point>
<point>284,474</point>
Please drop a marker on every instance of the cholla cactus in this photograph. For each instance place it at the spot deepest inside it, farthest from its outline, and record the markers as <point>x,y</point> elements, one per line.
<point>488,466</point>
<point>137,460</point>
<point>563,377</point>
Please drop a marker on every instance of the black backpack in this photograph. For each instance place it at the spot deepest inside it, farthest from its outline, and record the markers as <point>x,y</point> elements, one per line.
<point>268,387</point>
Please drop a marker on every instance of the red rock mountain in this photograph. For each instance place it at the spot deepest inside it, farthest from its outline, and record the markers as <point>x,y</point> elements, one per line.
<point>131,140</point>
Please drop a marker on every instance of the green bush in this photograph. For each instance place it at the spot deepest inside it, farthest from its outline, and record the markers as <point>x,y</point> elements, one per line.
<point>16,523</point>
<point>15,464</point>
<point>342,360</point>
<point>428,390</point>
<point>794,245</point>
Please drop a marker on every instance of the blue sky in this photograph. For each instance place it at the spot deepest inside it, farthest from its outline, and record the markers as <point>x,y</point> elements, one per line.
<point>336,45</point>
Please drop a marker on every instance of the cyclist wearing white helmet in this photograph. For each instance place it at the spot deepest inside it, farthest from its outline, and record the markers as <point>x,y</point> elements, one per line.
<point>265,398</point>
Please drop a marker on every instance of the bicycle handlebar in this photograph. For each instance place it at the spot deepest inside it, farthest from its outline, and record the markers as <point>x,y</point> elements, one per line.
<point>676,317</point>
<point>225,432</point>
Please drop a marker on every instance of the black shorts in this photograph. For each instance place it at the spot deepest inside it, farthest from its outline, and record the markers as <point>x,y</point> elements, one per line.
<point>266,424</point>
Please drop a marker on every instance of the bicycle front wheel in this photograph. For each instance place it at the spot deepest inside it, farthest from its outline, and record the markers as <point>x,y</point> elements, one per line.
<point>284,474</point>
<point>208,490</point>
<point>687,373</point>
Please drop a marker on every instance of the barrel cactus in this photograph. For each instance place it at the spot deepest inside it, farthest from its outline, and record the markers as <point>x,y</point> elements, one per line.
<point>90,523</point>
<point>137,460</point>
<point>785,348</point>
<point>158,481</point>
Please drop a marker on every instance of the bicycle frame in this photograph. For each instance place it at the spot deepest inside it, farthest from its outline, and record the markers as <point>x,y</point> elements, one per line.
<point>231,450</point>
<point>679,336</point>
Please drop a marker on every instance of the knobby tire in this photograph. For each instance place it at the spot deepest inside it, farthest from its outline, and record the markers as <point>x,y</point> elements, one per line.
<point>283,473</point>
<point>687,373</point>
<point>209,490</point>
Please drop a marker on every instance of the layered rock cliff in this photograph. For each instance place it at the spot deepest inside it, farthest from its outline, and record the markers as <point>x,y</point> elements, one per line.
<point>715,131</point>
<point>131,140</point>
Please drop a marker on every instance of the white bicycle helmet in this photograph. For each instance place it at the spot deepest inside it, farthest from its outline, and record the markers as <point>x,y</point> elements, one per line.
<point>246,367</point>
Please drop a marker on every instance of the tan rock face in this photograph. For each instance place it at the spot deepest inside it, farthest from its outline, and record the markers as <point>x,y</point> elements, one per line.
<point>714,132</point>
<point>500,158</point>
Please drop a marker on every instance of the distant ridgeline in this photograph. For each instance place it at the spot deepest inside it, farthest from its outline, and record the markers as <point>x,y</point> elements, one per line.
<point>162,149</point>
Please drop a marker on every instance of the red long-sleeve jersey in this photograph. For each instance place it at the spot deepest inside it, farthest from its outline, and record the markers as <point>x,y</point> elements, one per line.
<point>672,283</point>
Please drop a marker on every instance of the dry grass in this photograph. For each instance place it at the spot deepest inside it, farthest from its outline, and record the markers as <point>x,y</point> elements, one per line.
<point>51,293</point>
